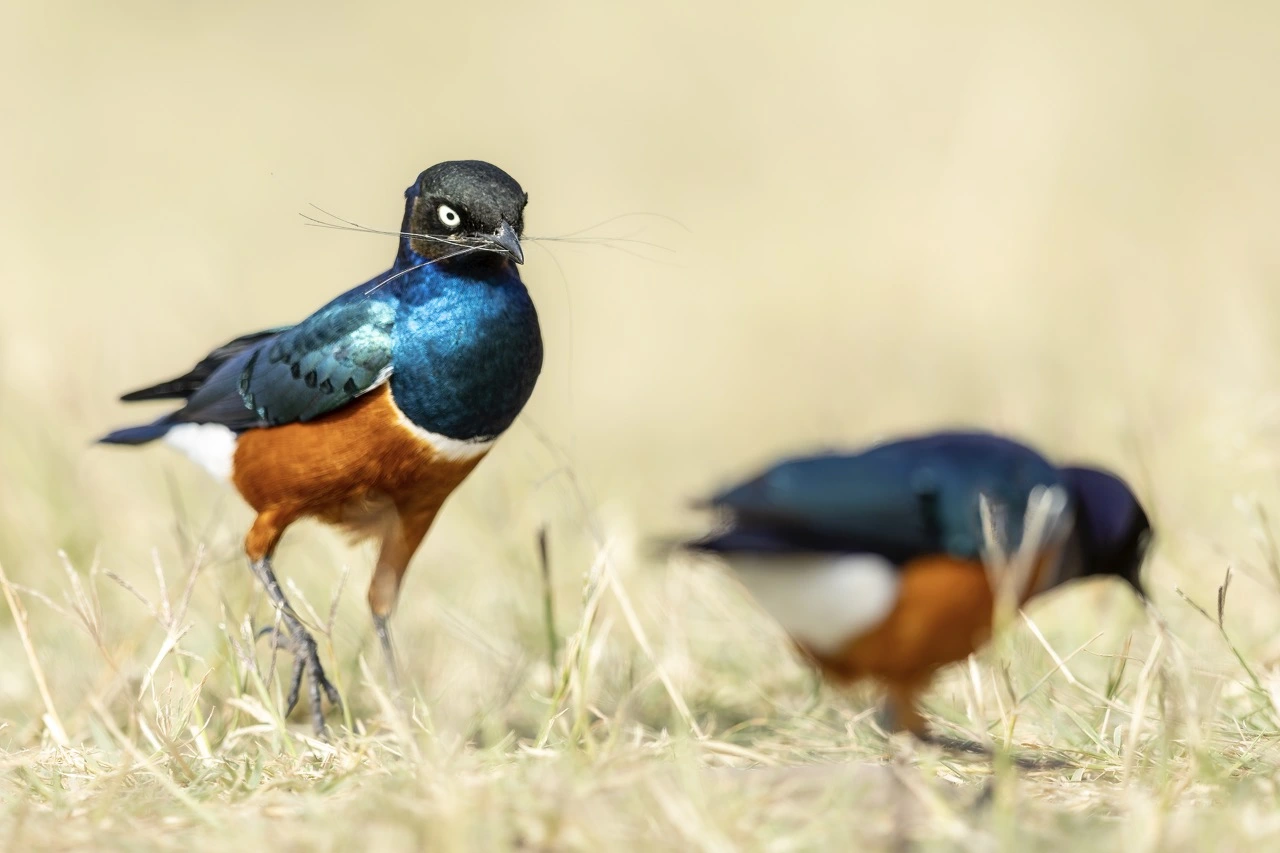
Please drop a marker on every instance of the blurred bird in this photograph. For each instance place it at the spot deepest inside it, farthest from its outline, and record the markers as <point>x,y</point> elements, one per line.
<point>371,411</point>
<point>888,564</point>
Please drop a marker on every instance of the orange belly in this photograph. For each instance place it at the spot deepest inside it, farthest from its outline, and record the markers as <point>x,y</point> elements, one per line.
<point>942,615</point>
<point>346,468</point>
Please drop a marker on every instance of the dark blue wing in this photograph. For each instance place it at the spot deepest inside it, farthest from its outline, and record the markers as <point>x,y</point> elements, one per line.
<point>319,365</point>
<point>904,499</point>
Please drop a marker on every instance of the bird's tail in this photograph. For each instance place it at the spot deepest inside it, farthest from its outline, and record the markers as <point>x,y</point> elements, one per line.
<point>138,434</point>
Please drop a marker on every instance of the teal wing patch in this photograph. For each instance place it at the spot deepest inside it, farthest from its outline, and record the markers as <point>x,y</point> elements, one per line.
<point>321,364</point>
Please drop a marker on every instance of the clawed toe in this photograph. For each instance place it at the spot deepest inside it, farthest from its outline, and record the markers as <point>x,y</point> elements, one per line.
<point>306,661</point>
<point>279,639</point>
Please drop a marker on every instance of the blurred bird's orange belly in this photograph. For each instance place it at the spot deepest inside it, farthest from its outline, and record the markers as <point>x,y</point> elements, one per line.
<point>943,614</point>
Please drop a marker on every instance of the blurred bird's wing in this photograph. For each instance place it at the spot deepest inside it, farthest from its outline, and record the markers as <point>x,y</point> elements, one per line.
<point>832,503</point>
<point>901,500</point>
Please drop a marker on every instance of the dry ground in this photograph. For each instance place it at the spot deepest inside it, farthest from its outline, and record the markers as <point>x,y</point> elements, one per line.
<point>1058,221</point>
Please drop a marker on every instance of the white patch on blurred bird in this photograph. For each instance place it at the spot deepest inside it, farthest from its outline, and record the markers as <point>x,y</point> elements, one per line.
<point>822,601</point>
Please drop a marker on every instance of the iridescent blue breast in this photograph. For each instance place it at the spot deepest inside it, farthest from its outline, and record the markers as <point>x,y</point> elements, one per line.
<point>467,352</point>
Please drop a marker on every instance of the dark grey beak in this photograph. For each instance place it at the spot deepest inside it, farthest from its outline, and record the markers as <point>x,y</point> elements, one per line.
<point>508,241</point>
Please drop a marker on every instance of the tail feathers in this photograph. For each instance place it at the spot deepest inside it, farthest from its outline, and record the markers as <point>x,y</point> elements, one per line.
<point>138,434</point>
<point>176,389</point>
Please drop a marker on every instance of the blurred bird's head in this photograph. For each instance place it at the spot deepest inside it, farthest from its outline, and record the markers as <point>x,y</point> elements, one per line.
<point>464,208</point>
<point>1115,533</point>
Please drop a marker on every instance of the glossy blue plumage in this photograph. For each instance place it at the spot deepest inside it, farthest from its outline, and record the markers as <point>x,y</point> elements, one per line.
<point>456,334</point>
<point>920,497</point>
<point>467,349</point>
<point>905,499</point>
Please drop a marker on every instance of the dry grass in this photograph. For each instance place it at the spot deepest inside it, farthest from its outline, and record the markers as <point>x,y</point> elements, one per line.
<point>675,716</point>
<point>1057,221</point>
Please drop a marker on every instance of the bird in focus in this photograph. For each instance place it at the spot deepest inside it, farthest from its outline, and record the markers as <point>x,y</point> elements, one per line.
<point>888,564</point>
<point>370,412</point>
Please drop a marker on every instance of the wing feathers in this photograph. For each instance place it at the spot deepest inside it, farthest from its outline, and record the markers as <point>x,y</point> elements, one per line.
<point>182,387</point>
<point>321,364</point>
<point>899,500</point>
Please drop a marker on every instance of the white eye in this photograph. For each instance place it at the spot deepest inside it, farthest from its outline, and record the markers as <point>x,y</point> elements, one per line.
<point>448,216</point>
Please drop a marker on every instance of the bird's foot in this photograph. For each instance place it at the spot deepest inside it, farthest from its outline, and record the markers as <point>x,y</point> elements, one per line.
<point>1021,759</point>
<point>306,661</point>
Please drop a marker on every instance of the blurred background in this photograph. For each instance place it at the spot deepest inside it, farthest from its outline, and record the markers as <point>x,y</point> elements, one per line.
<point>1056,221</point>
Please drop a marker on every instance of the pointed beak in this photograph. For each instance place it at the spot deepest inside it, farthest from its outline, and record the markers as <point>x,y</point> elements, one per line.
<point>508,241</point>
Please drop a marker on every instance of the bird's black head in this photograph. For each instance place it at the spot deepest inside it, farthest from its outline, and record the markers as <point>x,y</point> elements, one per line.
<point>1114,531</point>
<point>464,208</point>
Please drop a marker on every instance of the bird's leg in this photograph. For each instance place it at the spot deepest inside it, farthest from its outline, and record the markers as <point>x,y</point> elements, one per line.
<point>405,530</point>
<point>383,629</point>
<point>303,645</point>
<point>900,713</point>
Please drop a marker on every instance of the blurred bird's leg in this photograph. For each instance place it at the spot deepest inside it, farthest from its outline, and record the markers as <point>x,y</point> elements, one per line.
<point>259,545</point>
<point>901,713</point>
<point>404,533</point>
